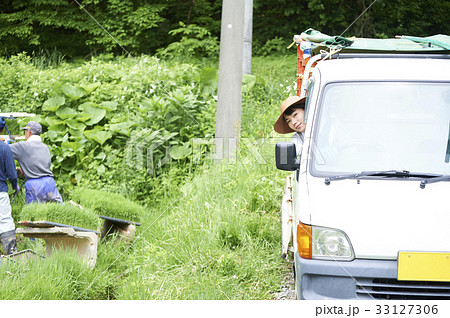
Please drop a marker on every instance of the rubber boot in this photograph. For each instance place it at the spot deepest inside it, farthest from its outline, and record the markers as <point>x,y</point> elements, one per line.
<point>9,241</point>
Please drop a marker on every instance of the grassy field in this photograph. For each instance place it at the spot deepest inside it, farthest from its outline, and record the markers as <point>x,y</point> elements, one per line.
<point>216,234</point>
<point>219,239</point>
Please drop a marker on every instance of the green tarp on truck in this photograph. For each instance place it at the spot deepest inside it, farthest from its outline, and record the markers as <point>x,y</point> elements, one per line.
<point>402,44</point>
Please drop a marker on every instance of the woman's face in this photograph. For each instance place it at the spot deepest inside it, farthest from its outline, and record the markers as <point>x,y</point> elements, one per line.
<point>295,120</point>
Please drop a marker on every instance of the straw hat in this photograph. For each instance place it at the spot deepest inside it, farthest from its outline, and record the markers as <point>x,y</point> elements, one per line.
<point>281,126</point>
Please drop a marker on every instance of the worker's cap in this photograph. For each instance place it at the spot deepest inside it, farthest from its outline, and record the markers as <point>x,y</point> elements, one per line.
<point>34,127</point>
<point>281,125</point>
<point>2,123</point>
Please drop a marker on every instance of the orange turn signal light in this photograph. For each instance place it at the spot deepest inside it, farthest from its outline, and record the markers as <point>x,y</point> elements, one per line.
<point>304,240</point>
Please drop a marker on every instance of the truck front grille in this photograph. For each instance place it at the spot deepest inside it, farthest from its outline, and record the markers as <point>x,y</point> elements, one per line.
<point>394,289</point>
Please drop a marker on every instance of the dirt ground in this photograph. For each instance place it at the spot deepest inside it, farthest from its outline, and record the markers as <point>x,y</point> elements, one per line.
<point>287,291</point>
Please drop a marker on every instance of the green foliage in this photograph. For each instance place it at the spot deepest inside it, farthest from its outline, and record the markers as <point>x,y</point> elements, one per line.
<point>60,213</point>
<point>118,124</point>
<point>275,46</point>
<point>93,25</point>
<point>108,204</point>
<point>195,41</point>
<point>402,17</point>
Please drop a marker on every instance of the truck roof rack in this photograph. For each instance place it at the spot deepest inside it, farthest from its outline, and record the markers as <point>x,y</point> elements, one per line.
<point>386,55</point>
<point>314,46</point>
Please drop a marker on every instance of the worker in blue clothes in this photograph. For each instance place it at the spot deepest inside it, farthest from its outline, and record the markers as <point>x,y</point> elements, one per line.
<point>7,171</point>
<point>35,161</point>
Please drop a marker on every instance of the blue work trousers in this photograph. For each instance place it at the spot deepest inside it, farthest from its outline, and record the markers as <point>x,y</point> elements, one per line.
<point>42,190</point>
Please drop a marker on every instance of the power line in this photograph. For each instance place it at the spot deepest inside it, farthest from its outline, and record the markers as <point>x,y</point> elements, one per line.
<point>358,17</point>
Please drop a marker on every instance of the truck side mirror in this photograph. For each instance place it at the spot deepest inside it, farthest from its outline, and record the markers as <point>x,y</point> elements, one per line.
<point>286,156</point>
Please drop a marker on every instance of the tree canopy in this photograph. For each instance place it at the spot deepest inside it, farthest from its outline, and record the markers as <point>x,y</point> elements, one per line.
<point>84,27</point>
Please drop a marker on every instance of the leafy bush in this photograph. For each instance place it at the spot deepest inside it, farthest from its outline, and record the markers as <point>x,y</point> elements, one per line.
<point>115,124</point>
<point>108,204</point>
<point>62,24</point>
<point>60,213</point>
<point>275,46</point>
<point>195,41</point>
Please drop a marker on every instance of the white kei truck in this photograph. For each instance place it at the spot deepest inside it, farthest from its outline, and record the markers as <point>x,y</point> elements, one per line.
<point>366,210</point>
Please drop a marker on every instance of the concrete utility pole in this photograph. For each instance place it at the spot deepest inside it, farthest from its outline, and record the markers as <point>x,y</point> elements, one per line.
<point>248,26</point>
<point>228,116</point>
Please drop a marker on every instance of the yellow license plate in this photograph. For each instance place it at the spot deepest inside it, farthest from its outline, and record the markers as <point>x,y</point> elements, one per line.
<point>424,266</point>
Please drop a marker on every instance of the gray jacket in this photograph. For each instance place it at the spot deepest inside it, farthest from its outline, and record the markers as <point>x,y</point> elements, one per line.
<point>34,157</point>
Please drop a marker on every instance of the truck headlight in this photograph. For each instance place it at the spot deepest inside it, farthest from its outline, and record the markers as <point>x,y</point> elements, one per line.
<point>330,244</point>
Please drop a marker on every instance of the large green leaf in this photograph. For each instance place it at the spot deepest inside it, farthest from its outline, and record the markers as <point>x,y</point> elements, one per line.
<point>87,104</point>
<point>121,128</point>
<point>52,135</point>
<point>72,123</point>
<point>180,152</point>
<point>57,128</point>
<point>73,92</point>
<point>96,113</point>
<point>109,106</point>
<point>101,169</point>
<point>90,87</point>
<point>54,103</point>
<point>66,112</point>
<point>72,145</point>
<point>99,136</point>
<point>248,81</point>
<point>83,117</point>
<point>53,120</point>
<point>76,133</point>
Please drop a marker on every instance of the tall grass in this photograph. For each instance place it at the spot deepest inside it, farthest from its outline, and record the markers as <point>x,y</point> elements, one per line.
<point>44,58</point>
<point>219,238</point>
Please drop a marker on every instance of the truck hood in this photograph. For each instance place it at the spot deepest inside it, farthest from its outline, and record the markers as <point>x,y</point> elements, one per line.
<point>382,217</point>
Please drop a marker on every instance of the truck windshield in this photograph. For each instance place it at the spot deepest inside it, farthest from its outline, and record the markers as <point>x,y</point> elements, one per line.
<point>377,126</point>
